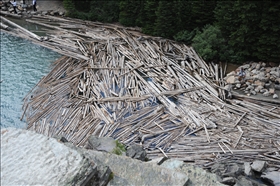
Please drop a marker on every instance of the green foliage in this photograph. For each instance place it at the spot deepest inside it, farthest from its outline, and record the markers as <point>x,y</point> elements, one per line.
<point>120,148</point>
<point>70,7</point>
<point>111,176</point>
<point>149,16</point>
<point>95,10</point>
<point>210,44</point>
<point>185,36</point>
<point>251,28</point>
<point>248,30</point>
<point>166,19</point>
<point>129,11</point>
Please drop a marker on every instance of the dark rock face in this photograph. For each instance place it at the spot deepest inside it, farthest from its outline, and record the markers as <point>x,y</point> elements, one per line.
<point>136,152</point>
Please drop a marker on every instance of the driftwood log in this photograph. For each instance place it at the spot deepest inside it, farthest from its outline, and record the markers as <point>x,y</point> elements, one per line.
<point>115,81</point>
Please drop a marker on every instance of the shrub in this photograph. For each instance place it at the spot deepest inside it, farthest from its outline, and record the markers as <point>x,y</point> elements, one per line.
<point>211,45</point>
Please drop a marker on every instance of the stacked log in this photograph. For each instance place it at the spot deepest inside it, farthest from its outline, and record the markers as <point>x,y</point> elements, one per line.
<point>114,81</point>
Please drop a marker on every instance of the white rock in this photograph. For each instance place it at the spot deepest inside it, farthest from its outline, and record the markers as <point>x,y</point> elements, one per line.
<point>238,85</point>
<point>28,158</point>
<point>275,96</point>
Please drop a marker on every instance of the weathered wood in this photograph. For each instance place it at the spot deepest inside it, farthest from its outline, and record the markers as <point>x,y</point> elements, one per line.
<point>116,82</point>
<point>21,28</point>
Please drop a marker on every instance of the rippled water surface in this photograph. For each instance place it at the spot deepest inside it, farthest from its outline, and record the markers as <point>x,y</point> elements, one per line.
<point>23,64</point>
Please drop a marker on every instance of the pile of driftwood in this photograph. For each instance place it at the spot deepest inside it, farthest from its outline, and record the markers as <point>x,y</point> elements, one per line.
<point>115,81</point>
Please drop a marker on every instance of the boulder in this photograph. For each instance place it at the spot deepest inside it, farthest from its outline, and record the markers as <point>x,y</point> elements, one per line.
<point>242,181</point>
<point>228,180</point>
<point>230,79</point>
<point>106,144</point>
<point>196,175</point>
<point>136,152</point>
<point>273,177</point>
<point>248,169</point>
<point>258,165</point>
<point>136,172</point>
<point>158,161</point>
<point>28,158</point>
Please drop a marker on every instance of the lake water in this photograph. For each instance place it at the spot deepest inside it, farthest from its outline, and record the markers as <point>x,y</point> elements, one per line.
<point>23,64</point>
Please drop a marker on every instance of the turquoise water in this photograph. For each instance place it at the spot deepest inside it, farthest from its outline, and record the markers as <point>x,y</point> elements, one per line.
<point>23,64</point>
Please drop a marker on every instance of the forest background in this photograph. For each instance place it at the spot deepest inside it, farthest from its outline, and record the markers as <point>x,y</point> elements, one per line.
<point>227,31</point>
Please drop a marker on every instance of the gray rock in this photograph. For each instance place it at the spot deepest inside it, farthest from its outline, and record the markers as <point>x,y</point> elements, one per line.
<point>258,166</point>
<point>273,177</point>
<point>253,65</point>
<point>45,12</point>
<point>250,87</point>
<point>246,66</point>
<point>137,172</point>
<point>106,144</point>
<point>196,175</point>
<point>102,177</point>
<point>28,158</point>
<point>118,181</point>
<point>159,160</point>
<point>248,83</point>
<point>258,66</point>
<point>227,170</point>
<point>263,90</point>
<point>4,8</point>
<point>266,94</point>
<point>275,96</point>
<point>136,152</point>
<point>238,85</point>
<point>248,169</point>
<point>253,92</point>
<point>254,71</point>
<point>277,87</point>
<point>228,180</point>
<point>242,181</point>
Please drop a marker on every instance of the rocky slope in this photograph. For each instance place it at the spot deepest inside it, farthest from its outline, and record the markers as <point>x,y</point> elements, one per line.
<point>28,158</point>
